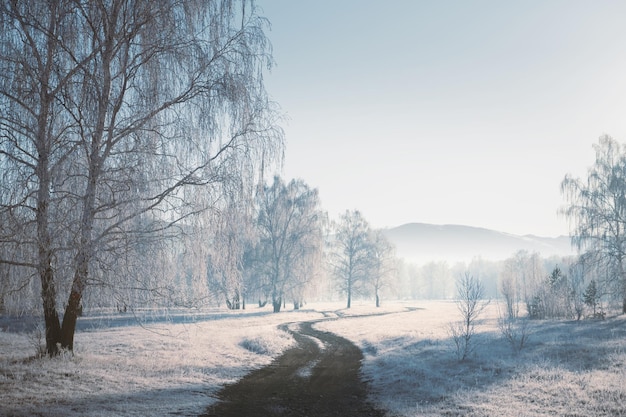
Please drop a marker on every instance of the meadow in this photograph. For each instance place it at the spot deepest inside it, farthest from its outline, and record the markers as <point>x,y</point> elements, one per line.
<point>566,368</point>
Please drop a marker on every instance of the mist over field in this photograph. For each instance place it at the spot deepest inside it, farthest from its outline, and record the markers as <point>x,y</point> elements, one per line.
<point>421,243</point>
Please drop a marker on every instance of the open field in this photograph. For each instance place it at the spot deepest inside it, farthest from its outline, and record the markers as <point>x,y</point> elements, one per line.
<point>565,368</point>
<point>136,371</point>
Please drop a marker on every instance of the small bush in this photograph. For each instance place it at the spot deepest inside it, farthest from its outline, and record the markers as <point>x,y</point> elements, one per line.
<point>267,345</point>
<point>256,345</point>
<point>462,337</point>
<point>37,339</point>
<point>515,332</point>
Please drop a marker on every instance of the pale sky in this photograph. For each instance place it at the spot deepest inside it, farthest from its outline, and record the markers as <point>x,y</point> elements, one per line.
<point>447,112</point>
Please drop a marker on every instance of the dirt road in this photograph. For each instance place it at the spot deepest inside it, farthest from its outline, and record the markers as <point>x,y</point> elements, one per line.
<point>318,378</point>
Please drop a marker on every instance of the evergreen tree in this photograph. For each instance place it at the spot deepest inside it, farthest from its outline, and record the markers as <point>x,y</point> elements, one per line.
<point>590,296</point>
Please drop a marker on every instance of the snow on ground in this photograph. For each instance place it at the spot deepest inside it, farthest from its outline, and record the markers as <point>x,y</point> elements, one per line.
<point>138,371</point>
<point>566,368</point>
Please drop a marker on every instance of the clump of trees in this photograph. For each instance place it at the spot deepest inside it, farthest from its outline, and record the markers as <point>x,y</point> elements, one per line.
<point>553,297</point>
<point>596,206</point>
<point>521,274</point>
<point>290,243</point>
<point>362,260</point>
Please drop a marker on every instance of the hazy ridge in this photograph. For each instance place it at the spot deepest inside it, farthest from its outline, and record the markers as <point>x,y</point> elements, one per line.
<point>422,242</point>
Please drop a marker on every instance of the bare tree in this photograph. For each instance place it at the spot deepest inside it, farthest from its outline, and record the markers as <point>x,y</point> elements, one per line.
<point>470,303</point>
<point>515,331</point>
<point>577,281</point>
<point>37,67</point>
<point>383,263</point>
<point>232,229</point>
<point>597,209</point>
<point>351,258</point>
<point>135,104</point>
<point>509,289</point>
<point>290,229</point>
<point>522,274</point>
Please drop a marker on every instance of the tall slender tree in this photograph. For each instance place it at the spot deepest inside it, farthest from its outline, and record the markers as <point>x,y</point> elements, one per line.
<point>351,258</point>
<point>383,263</point>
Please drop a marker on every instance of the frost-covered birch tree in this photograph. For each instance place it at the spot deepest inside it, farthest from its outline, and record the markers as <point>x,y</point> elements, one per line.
<point>121,121</point>
<point>351,256</point>
<point>520,278</point>
<point>232,235</point>
<point>596,206</point>
<point>290,238</point>
<point>384,263</point>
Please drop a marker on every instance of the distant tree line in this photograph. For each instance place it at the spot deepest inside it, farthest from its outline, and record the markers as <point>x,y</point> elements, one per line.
<point>527,284</point>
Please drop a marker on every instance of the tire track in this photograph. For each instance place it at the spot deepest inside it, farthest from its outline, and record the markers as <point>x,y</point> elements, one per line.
<point>317,378</point>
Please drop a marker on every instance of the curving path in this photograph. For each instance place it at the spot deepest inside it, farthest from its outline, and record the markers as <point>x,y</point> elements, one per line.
<point>317,378</point>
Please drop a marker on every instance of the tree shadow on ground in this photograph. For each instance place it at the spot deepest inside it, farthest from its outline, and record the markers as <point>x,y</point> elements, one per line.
<point>433,373</point>
<point>181,401</point>
<point>28,323</point>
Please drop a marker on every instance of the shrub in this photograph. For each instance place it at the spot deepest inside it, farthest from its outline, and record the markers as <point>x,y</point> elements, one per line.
<point>514,331</point>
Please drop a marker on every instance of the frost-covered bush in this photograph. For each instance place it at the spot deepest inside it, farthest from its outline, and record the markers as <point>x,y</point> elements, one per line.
<point>515,332</point>
<point>266,345</point>
<point>256,345</point>
<point>37,339</point>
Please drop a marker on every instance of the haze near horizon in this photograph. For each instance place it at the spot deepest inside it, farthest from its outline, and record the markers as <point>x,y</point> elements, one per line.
<point>450,112</point>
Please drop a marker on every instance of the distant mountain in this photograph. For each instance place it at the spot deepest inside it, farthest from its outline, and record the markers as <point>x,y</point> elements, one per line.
<point>421,243</point>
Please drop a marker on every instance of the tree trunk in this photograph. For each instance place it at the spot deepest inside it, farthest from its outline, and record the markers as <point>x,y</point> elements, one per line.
<point>68,328</point>
<point>51,317</point>
<point>621,267</point>
<point>42,172</point>
<point>377,299</point>
<point>277,305</point>
<point>73,304</point>
<point>46,273</point>
<point>83,256</point>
